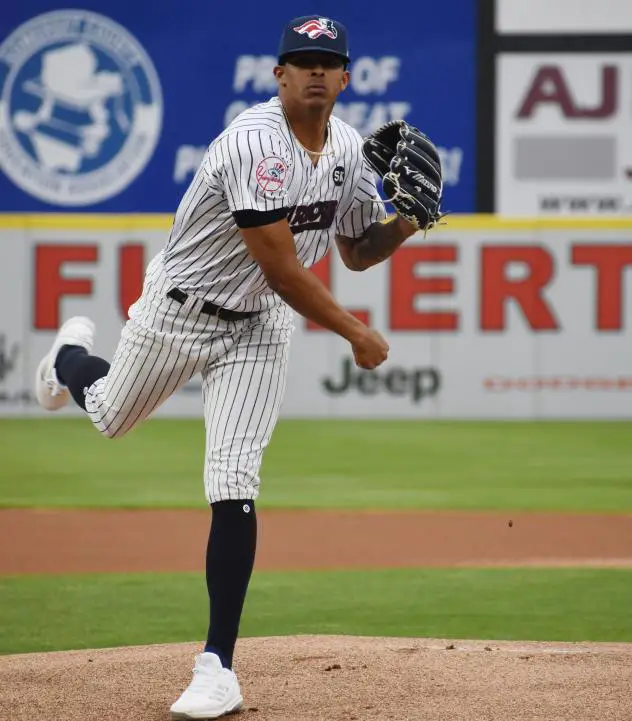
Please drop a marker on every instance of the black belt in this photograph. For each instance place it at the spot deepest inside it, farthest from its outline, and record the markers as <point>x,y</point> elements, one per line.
<point>210,308</point>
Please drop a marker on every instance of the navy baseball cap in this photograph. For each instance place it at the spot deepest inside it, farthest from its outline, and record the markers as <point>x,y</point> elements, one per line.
<point>314,33</point>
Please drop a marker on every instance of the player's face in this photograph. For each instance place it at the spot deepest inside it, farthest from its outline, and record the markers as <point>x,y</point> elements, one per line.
<point>315,79</point>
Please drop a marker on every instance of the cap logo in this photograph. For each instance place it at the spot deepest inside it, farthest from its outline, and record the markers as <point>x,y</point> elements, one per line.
<point>317,27</point>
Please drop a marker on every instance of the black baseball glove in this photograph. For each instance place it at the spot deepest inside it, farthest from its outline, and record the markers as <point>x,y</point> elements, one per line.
<point>410,168</point>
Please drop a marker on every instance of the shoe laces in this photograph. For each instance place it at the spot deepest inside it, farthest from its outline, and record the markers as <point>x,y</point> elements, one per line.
<point>53,387</point>
<point>219,692</point>
<point>207,681</point>
<point>53,384</point>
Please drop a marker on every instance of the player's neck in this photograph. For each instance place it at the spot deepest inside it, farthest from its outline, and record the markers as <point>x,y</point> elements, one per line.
<point>309,125</point>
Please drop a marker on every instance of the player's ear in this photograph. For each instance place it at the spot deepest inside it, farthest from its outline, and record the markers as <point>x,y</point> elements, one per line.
<point>346,77</point>
<point>279,71</point>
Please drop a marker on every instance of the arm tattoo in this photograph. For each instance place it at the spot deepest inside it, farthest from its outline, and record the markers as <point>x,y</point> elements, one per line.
<point>377,244</point>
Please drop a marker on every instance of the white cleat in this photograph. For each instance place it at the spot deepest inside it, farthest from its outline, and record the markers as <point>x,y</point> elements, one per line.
<point>50,393</point>
<point>213,692</point>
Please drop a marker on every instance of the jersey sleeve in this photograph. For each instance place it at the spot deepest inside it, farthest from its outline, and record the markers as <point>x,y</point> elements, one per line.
<point>253,169</point>
<point>366,208</point>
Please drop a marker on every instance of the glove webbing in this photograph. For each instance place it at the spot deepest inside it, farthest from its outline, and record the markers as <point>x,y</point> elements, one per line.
<point>394,178</point>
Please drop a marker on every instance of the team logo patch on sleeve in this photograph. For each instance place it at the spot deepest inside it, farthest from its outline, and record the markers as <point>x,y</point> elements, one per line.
<point>317,27</point>
<point>271,174</point>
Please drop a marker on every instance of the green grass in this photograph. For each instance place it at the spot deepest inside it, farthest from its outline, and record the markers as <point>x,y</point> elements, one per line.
<point>68,612</point>
<point>574,466</point>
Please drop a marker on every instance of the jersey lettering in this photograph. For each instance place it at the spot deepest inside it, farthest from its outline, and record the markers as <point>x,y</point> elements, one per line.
<point>317,216</point>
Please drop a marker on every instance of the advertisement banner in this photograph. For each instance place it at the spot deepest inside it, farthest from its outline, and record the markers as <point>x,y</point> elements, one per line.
<point>485,319</point>
<point>564,134</point>
<point>563,16</point>
<point>106,108</point>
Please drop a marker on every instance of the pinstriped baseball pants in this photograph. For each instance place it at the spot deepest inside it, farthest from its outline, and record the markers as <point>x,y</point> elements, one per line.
<point>243,365</point>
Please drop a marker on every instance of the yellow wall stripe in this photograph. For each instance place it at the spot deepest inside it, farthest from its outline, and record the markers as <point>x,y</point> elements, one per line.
<point>88,222</point>
<point>159,221</point>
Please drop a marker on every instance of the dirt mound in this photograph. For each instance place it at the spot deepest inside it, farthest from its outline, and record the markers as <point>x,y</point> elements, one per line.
<point>325,678</point>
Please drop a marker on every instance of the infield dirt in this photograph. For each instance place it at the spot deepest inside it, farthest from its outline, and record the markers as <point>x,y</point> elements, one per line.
<point>155,540</point>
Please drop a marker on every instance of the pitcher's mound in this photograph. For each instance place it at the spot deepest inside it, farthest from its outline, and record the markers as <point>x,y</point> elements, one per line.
<point>309,678</point>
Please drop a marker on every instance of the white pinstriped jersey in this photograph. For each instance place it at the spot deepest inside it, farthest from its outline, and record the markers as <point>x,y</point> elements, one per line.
<point>256,164</point>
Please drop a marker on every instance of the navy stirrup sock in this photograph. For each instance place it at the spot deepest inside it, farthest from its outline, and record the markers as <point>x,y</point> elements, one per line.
<point>78,371</point>
<point>230,559</point>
